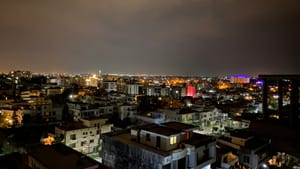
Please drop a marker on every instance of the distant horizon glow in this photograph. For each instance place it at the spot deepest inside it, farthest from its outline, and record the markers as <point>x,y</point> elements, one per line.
<point>170,37</point>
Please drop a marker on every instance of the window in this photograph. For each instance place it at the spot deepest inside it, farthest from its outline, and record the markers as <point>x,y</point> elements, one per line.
<point>73,137</point>
<point>148,137</point>
<point>173,140</point>
<point>91,141</point>
<point>83,143</point>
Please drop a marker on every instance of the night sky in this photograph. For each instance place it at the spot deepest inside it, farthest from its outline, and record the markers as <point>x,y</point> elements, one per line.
<point>175,37</point>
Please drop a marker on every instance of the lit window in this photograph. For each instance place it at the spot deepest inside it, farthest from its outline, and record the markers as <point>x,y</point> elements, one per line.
<point>173,140</point>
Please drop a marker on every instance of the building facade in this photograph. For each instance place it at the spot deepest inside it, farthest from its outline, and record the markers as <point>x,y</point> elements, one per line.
<point>170,145</point>
<point>80,137</point>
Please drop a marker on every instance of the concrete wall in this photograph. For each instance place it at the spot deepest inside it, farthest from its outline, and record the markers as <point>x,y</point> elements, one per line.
<point>118,155</point>
<point>82,135</point>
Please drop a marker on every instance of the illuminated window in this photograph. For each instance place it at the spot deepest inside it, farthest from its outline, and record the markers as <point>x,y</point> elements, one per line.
<point>173,140</point>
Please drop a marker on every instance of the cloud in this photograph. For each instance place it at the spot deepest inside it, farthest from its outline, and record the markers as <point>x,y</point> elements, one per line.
<point>170,36</point>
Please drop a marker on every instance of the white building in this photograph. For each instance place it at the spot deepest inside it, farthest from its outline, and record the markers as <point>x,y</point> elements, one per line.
<point>133,89</point>
<point>105,109</point>
<point>251,150</point>
<point>81,110</point>
<point>100,123</point>
<point>102,128</point>
<point>153,90</point>
<point>80,137</point>
<point>164,91</point>
<point>127,110</point>
<point>110,86</point>
<point>169,145</point>
<point>209,114</point>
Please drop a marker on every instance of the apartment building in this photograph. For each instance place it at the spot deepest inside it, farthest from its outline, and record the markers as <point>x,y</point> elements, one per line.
<point>171,145</point>
<point>251,150</point>
<point>80,137</point>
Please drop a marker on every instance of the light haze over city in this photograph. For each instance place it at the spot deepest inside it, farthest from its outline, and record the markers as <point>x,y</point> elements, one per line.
<point>176,37</point>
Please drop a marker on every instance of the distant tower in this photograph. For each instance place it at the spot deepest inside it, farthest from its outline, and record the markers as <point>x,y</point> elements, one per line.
<point>100,78</point>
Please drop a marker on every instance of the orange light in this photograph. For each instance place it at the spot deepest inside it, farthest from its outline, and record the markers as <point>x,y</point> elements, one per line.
<point>48,140</point>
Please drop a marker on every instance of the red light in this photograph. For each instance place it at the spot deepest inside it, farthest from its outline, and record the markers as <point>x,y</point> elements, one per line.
<point>190,90</point>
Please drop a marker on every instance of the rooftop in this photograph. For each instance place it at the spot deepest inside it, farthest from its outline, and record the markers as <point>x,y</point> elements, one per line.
<point>126,138</point>
<point>198,140</point>
<point>166,129</point>
<point>11,161</point>
<point>179,126</point>
<point>162,130</point>
<point>256,142</point>
<point>241,134</point>
<point>72,126</point>
<point>95,118</point>
<point>59,156</point>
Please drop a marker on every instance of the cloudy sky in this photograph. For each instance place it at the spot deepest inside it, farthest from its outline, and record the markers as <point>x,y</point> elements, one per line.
<point>185,37</point>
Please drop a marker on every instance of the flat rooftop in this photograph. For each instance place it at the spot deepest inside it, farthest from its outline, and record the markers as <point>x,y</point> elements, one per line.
<point>256,142</point>
<point>72,126</point>
<point>95,118</point>
<point>241,134</point>
<point>126,138</point>
<point>179,126</point>
<point>166,129</point>
<point>59,156</point>
<point>162,130</point>
<point>199,140</point>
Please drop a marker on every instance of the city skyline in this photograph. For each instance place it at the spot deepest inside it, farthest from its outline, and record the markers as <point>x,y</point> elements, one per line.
<point>176,37</point>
